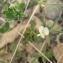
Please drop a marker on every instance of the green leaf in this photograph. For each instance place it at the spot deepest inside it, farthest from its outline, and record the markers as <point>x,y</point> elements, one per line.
<point>33,60</point>
<point>21,15</point>
<point>5,12</point>
<point>38,39</point>
<point>13,47</point>
<point>1,30</point>
<point>8,4</point>
<point>53,24</point>
<point>36,56</point>
<point>59,31</point>
<point>43,21</point>
<point>7,24</point>
<point>50,53</point>
<point>33,23</point>
<point>27,37</point>
<point>10,10</point>
<point>48,38</point>
<point>10,16</point>
<point>21,6</point>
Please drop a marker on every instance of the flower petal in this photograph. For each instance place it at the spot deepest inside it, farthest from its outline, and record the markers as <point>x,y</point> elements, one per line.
<point>42,35</point>
<point>46,31</point>
<point>38,35</point>
<point>12,6</point>
<point>41,28</point>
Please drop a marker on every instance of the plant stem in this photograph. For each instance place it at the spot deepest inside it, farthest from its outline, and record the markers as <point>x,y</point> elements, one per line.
<point>44,49</point>
<point>47,43</point>
<point>44,60</point>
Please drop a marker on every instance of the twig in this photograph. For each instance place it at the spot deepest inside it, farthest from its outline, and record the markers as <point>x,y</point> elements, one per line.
<point>60,57</point>
<point>39,51</point>
<point>42,45</point>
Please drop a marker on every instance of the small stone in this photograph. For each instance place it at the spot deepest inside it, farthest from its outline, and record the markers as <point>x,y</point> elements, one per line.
<point>56,26</point>
<point>50,12</point>
<point>2,20</point>
<point>58,51</point>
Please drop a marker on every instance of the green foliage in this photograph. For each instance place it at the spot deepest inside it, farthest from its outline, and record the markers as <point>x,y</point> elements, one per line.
<point>21,6</point>
<point>53,24</point>
<point>33,23</point>
<point>6,28</point>
<point>31,33</point>
<point>36,56</point>
<point>15,13</point>
<point>50,53</point>
<point>57,31</point>
<point>13,47</point>
<point>43,21</point>
<point>10,14</point>
<point>34,60</point>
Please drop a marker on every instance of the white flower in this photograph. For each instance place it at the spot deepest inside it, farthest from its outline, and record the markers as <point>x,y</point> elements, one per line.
<point>44,31</point>
<point>12,6</point>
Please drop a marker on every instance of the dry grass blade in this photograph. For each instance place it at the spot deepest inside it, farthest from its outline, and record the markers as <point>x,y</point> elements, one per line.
<point>39,52</point>
<point>60,57</point>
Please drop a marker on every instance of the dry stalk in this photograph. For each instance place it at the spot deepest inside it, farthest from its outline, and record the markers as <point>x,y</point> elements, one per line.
<point>39,51</point>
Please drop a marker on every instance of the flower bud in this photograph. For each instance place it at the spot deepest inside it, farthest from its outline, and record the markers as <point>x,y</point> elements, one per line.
<point>12,6</point>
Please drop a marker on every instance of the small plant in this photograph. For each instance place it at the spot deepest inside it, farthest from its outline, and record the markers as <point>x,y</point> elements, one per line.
<point>15,11</point>
<point>31,33</point>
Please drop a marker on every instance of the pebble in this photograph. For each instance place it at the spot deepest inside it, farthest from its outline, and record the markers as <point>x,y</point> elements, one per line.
<point>50,12</point>
<point>58,51</point>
